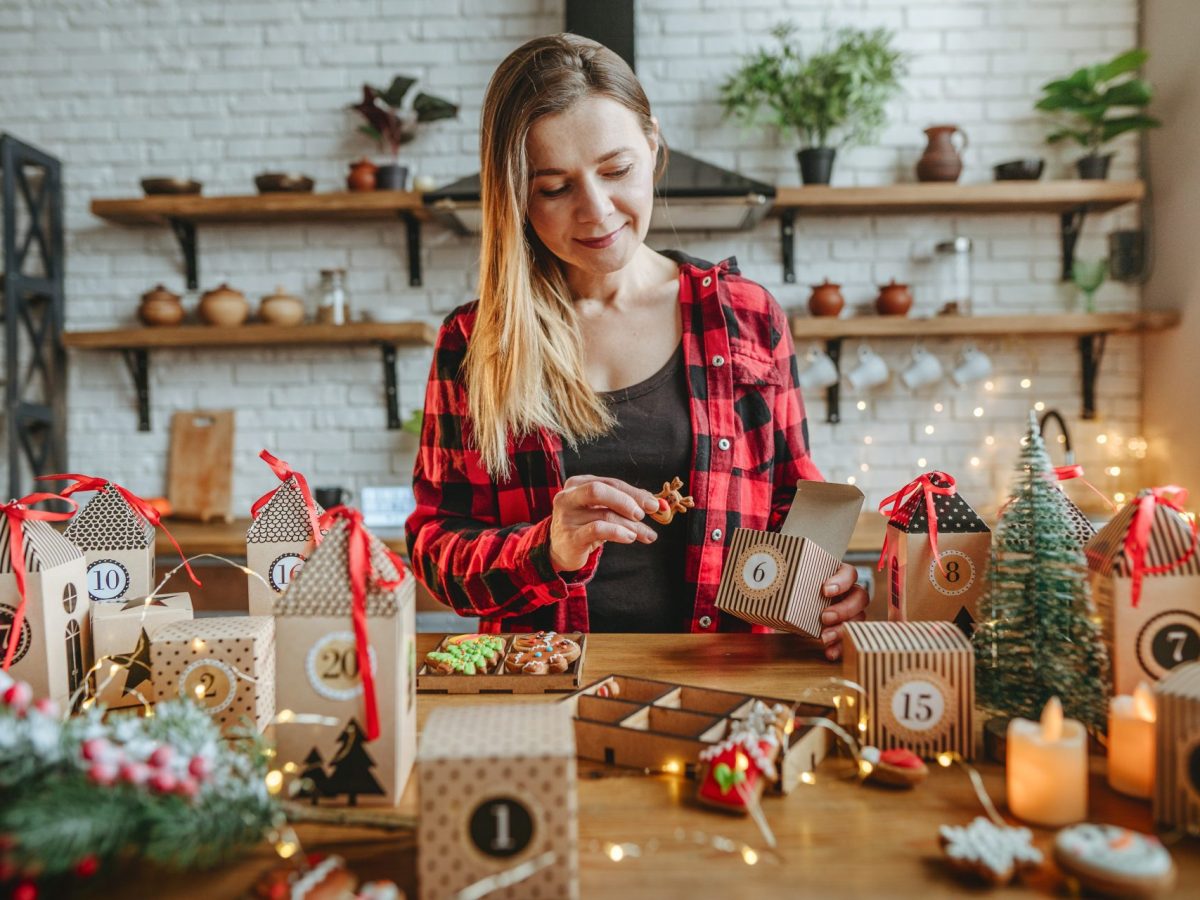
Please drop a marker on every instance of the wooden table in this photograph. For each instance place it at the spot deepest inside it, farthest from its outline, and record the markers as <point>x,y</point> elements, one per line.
<point>836,837</point>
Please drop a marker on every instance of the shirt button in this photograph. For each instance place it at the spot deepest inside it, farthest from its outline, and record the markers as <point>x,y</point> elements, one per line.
<point>718,361</point>
<point>706,621</point>
<point>723,443</point>
<point>716,534</point>
<point>707,281</point>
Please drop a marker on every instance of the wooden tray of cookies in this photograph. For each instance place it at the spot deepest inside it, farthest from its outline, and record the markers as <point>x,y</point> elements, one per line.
<point>642,723</point>
<point>497,677</point>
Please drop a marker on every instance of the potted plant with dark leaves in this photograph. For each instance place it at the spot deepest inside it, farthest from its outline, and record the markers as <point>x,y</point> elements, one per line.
<point>393,124</point>
<point>831,99</point>
<point>1097,103</point>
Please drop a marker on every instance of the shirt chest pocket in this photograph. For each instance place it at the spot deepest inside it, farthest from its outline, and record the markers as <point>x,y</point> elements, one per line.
<point>755,382</point>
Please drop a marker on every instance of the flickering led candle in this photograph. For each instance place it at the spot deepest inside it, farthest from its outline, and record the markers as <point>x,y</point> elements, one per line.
<point>1047,768</point>
<point>1131,742</point>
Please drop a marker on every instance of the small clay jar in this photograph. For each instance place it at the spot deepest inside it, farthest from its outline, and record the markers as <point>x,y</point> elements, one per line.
<point>281,308</point>
<point>894,299</point>
<point>160,307</point>
<point>826,299</point>
<point>362,176</point>
<point>224,306</point>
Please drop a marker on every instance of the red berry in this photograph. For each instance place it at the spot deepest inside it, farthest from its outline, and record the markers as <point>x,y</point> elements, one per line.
<point>94,749</point>
<point>161,756</point>
<point>134,772</point>
<point>187,787</point>
<point>102,774</point>
<point>18,695</point>
<point>163,782</point>
<point>26,890</point>
<point>87,867</point>
<point>200,767</point>
<point>46,707</point>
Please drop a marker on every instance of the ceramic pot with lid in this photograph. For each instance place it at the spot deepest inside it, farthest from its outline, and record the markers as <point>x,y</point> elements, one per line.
<point>160,307</point>
<point>281,308</point>
<point>362,176</point>
<point>224,305</point>
<point>894,299</point>
<point>826,299</point>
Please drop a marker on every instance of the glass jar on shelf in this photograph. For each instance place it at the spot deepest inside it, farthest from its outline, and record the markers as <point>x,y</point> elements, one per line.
<point>333,302</point>
<point>952,260</point>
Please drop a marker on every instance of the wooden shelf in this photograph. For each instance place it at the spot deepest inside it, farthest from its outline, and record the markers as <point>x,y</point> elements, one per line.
<point>1067,325</point>
<point>940,197</point>
<point>273,207</point>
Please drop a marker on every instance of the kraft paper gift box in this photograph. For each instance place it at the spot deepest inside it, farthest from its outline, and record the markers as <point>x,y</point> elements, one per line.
<point>919,679</point>
<point>775,579</point>
<point>319,675</point>
<point>53,649</point>
<point>1177,750</point>
<point>917,588</point>
<point>1147,596</point>
<point>498,790</point>
<point>224,663</point>
<point>280,538</point>
<point>121,636</point>
<point>118,545</point>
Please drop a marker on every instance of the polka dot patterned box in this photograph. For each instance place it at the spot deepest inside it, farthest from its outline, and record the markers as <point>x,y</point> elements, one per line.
<point>919,679</point>
<point>118,545</point>
<point>226,664</point>
<point>775,579</point>
<point>1177,775</point>
<point>1149,607</point>
<point>278,542</point>
<point>917,588</point>
<point>121,634</point>
<point>54,641</point>
<point>498,791</point>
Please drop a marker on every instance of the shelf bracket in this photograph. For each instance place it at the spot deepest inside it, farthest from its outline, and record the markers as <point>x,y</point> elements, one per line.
<point>787,244</point>
<point>412,225</point>
<point>1071,226</point>
<point>833,412</point>
<point>185,233</point>
<point>1091,352</point>
<point>391,389</point>
<point>137,360</point>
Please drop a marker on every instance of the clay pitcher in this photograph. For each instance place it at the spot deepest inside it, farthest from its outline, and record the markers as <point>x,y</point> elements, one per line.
<point>941,160</point>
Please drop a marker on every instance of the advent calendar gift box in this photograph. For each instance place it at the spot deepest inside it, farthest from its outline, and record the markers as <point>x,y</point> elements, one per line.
<point>45,635</point>
<point>281,536</point>
<point>364,754</point>
<point>121,637</point>
<point>775,579</point>
<point>498,789</point>
<point>225,664</point>
<point>919,679</point>
<point>1177,742</point>
<point>935,553</point>
<point>1145,573</point>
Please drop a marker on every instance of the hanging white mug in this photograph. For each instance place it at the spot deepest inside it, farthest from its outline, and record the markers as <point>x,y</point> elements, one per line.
<point>925,368</point>
<point>821,372</point>
<point>973,365</point>
<point>870,371</point>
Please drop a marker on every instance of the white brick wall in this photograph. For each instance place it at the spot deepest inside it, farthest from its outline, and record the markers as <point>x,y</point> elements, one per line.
<point>221,90</point>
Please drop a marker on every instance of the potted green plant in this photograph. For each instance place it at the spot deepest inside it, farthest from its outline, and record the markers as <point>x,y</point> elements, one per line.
<point>1095,104</point>
<point>831,99</point>
<point>393,125</point>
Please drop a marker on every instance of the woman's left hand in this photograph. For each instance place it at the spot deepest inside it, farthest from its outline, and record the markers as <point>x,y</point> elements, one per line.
<point>847,603</point>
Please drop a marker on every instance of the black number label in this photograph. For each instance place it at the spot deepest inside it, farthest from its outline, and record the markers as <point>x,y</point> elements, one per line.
<point>208,683</point>
<point>952,575</point>
<point>501,827</point>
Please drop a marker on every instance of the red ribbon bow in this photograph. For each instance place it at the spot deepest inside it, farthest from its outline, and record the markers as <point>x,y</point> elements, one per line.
<point>284,471</point>
<point>1066,473</point>
<point>1137,538</point>
<point>925,485</point>
<point>18,512</point>
<point>142,507</point>
<point>361,569</point>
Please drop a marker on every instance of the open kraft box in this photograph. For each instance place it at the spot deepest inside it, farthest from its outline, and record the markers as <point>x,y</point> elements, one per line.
<point>497,681</point>
<point>652,724</point>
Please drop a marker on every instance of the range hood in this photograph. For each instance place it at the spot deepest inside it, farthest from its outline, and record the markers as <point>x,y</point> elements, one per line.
<point>692,195</point>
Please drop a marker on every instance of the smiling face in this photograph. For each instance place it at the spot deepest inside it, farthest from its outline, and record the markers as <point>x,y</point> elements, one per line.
<point>592,184</point>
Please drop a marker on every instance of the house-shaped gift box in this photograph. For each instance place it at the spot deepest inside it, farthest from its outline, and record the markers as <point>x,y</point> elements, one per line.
<point>118,545</point>
<point>1145,574</point>
<point>1177,750</point>
<point>319,672</point>
<point>281,537</point>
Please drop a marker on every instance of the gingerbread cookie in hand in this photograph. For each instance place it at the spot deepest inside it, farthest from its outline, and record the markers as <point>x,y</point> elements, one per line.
<point>671,501</point>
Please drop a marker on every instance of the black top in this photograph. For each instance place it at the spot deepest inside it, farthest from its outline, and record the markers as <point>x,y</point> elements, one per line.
<point>640,587</point>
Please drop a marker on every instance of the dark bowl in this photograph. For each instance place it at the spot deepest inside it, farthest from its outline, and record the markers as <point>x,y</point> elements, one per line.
<point>1020,169</point>
<point>292,182</point>
<point>170,186</point>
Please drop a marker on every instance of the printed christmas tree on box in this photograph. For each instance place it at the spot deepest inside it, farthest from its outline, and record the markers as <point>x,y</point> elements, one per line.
<point>281,537</point>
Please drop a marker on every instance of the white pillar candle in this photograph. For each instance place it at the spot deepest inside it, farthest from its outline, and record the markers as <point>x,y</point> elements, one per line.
<point>1047,768</point>
<point>1131,742</point>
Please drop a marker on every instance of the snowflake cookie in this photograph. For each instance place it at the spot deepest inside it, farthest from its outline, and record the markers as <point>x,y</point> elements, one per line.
<point>992,852</point>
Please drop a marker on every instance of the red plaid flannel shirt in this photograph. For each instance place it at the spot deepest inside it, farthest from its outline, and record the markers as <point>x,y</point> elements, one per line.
<point>484,547</point>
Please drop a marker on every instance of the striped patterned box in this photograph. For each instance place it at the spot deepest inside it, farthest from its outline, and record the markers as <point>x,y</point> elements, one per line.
<point>1177,785</point>
<point>919,679</point>
<point>1162,631</point>
<point>774,579</point>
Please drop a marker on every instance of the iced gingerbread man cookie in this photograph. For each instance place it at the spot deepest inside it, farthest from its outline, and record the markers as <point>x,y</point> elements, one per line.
<point>993,853</point>
<point>1113,860</point>
<point>541,653</point>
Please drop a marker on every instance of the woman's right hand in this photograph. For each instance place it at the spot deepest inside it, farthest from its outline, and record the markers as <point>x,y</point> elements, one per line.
<point>591,510</point>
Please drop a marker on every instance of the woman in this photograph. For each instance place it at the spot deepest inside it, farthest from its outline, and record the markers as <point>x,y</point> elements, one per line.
<point>590,371</point>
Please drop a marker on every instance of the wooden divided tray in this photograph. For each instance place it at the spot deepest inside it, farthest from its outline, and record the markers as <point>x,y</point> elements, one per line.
<point>497,681</point>
<point>662,725</point>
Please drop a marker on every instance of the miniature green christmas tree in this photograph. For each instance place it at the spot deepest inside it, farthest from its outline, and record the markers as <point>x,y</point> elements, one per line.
<point>1037,638</point>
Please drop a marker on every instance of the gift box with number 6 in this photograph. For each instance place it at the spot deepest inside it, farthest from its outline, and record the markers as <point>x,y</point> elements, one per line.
<point>775,579</point>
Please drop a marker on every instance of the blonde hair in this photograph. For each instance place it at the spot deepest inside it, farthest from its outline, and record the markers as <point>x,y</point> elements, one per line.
<point>524,362</point>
